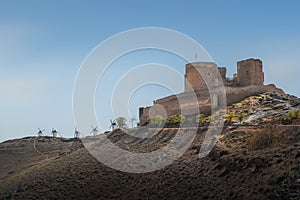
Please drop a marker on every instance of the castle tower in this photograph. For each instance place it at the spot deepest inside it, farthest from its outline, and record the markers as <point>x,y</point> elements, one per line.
<point>195,74</point>
<point>222,71</point>
<point>249,72</point>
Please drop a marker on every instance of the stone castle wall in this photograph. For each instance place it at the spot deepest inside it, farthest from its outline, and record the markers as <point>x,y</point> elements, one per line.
<point>172,106</point>
<point>248,81</point>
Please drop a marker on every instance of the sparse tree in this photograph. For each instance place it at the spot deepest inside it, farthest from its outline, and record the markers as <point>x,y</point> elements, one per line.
<point>121,122</point>
<point>132,120</point>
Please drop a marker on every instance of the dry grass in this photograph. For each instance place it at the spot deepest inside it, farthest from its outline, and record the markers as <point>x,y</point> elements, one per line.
<point>264,138</point>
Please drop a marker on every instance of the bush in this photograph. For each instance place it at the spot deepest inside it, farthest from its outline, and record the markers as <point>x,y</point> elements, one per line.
<point>157,120</point>
<point>229,118</point>
<point>175,120</point>
<point>297,114</point>
<point>201,119</point>
<point>291,116</point>
<point>263,138</point>
<point>240,117</point>
<point>208,119</point>
<point>121,122</point>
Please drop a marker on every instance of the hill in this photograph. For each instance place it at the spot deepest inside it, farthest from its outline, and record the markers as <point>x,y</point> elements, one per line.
<point>259,159</point>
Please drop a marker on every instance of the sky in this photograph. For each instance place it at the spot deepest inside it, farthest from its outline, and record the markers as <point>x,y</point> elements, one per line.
<point>44,43</point>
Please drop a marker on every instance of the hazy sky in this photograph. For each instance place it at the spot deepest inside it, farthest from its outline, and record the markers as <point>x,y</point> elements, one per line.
<point>43,43</point>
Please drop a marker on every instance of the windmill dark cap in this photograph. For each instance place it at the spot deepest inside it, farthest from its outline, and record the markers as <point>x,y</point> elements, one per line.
<point>54,132</point>
<point>40,132</point>
<point>113,123</point>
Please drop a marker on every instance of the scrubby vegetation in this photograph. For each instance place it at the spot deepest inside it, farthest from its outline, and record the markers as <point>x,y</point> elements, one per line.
<point>240,117</point>
<point>202,120</point>
<point>264,138</point>
<point>175,120</point>
<point>251,111</point>
<point>292,115</point>
<point>121,122</point>
<point>171,121</point>
<point>156,121</point>
<point>229,118</point>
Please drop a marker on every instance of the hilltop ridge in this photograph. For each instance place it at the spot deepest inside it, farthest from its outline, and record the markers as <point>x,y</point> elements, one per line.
<point>258,159</point>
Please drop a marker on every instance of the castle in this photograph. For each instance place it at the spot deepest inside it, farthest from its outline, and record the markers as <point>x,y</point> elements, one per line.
<point>249,80</point>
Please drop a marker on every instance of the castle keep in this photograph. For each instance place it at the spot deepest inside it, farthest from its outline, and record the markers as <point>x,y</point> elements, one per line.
<point>249,80</point>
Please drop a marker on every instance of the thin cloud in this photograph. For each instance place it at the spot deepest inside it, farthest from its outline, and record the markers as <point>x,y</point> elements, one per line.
<point>15,40</point>
<point>21,90</point>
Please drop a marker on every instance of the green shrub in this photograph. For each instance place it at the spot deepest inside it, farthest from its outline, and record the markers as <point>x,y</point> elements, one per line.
<point>230,117</point>
<point>201,119</point>
<point>121,122</point>
<point>297,114</point>
<point>240,117</point>
<point>157,120</point>
<point>175,119</point>
<point>292,115</point>
<point>208,119</point>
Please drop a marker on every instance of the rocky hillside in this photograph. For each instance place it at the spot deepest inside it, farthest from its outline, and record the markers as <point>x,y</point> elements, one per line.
<point>256,159</point>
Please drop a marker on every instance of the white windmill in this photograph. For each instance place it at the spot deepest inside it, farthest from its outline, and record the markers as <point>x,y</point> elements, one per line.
<point>76,133</point>
<point>40,132</point>
<point>113,124</point>
<point>94,130</point>
<point>54,132</point>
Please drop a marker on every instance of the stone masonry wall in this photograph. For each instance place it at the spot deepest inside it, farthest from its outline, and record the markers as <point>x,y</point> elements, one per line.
<point>248,81</point>
<point>249,72</point>
<point>233,95</point>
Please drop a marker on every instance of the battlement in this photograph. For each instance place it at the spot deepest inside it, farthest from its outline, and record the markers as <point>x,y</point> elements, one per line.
<point>249,72</point>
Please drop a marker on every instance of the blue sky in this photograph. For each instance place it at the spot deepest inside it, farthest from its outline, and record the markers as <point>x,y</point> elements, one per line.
<point>43,43</point>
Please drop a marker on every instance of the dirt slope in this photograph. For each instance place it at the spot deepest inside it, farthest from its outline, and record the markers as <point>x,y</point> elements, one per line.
<point>235,169</point>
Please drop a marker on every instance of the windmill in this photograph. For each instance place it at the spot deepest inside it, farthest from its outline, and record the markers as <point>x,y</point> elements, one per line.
<point>94,130</point>
<point>113,123</point>
<point>54,132</point>
<point>40,132</point>
<point>76,133</point>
